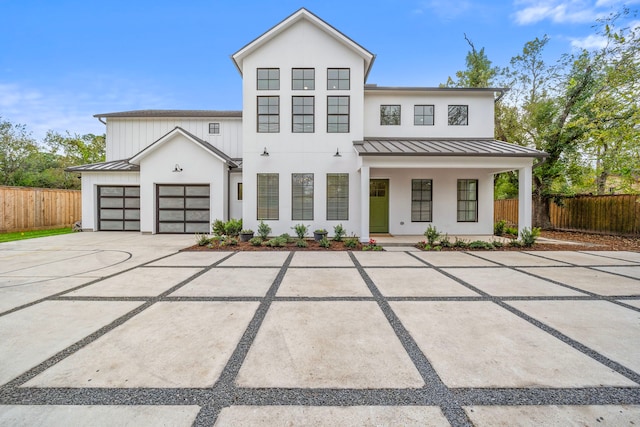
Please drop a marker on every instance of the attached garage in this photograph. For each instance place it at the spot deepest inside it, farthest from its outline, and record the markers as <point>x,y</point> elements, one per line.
<point>118,208</point>
<point>182,208</point>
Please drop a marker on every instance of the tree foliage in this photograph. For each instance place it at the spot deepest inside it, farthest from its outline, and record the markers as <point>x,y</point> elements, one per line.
<point>479,72</point>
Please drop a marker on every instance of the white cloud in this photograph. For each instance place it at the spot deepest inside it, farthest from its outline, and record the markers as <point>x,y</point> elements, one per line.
<point>564,11</point>
<point>589,42</point>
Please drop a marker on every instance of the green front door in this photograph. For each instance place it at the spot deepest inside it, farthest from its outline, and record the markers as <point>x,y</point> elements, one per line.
<point>379,206</point>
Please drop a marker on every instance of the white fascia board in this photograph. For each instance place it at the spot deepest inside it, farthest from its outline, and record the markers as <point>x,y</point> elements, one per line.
<point>165,139</point>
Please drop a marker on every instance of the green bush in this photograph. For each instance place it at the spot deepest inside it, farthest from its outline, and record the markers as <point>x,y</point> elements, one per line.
<point>324,242</point>
<point>202,239</point>
<point>497,244</point>
<point>264,230</point>
<point>277,242</point>
<point>498,227</point>
<point>302,243</point>
<point>255,241</point>
<point>512,231</point>
<point>351,242</point>
<point>218,227</point>
<point>445,242</point>
<point>232,227</point>
<point>432,235</point>
<point>338,232</point>
<point>480,244</point>
<point>231,241</point>
<point>460,243</point>
<point>301,230</point>
<point>516,244</point>
<point>529,236</point>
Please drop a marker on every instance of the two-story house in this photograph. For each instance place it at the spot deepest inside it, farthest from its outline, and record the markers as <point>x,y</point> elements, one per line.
<point>314,144</point>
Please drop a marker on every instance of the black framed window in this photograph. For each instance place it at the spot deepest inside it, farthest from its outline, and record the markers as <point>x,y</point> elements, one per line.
<point>303,79</point>
<point>302,114</point>
<point>268,79</point>
<point>302,196</point>
<point>337,114</point>
<point>423,115</point>
<point>390,115</point>
<point>421,200</point>
<point>268,114</point>
<point>268,196</point>
<point>458,115</point>
<point>240,190</point>
<point>338,78</point>
<point>214,128</point>
<point>467,200</point>
<point>337,196</point>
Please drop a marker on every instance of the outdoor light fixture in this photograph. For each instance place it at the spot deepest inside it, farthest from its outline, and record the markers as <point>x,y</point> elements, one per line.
<point>337,153</point>
<point>177,168</point>
<point>265,153</point>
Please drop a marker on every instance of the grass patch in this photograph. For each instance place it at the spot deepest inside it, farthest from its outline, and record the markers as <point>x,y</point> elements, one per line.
<point>22,235</point>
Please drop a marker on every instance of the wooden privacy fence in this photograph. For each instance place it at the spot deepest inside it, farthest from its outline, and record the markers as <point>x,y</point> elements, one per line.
<point>25,209</point>
<point>609,214</point>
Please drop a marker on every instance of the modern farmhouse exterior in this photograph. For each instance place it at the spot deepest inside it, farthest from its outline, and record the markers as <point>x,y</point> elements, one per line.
<point>314,144</point>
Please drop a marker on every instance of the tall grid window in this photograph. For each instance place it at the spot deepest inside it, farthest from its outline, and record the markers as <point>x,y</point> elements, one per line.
<point>423,115</point>
<point>303,79</point>
<point>458,115</point>
<point>268,114</point>
<point>268,78</point>
<point>337,114</point>
<point>390,115</point>
<point>338,78</point>
<point>302,196</point>
<point>421,200</point>
<point>337,196</point>
<point>302,110</point>
<point>268,196</point>
<point>467,200</point>
<point>214,128</point>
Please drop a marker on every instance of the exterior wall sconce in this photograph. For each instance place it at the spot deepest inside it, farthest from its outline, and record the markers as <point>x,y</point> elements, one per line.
<point>265,153</point>
<point>337,153</point>
<point>177,168</point>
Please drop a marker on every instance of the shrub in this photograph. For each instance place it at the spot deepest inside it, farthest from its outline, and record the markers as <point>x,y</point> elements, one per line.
<point>232,241</point>
<point>460,243</point>
<point>255,241</point>
<point>246,231</point>
<point>302,243</point>
<point>498,227</point>
<point>264,230</point>
<point>529,236</point>
<point>516,244</point>
<point>324,242</point>
<point>277,242</point>
<point>480,244</point>
<point>351,242</point>
<point>218,227</point>
<point>301,230</point>
<point>338,232</point>
<point>233,227</point>
<point>372,246</point>
<point>497,244</point>
<point>445,242</point>
<point>202,239</point>
<point>511,231</point>
<point>431,234</point>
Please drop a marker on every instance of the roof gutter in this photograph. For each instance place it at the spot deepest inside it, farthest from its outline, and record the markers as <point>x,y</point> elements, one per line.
<point>502,92</point>
<point>100,120</point>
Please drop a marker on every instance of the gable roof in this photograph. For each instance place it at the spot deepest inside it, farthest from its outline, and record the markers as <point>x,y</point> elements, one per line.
<point>173,113</point>
<point>303,14</point>
<point>178,130</point>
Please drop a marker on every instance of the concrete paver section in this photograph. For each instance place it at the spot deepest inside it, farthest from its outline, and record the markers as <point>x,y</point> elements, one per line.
<point>608,328</point>
<point>479,344</point>
<point>190,259</point>
<point>87,263</point>
<point>536,416</point>
<point>32,335</point>
<point>389,259</point>
<point>416,282</point>
<point>453,259</point>
<point>508,282</point>
<point>321,259</point>
<point>17,291</point>
<point>256,259</point>
<point>634,303</point>
<point>590,280</point>
<point>98,416</point>
<point>514,259</point>
<point>580,258</point>
<point>633,272</point>
<point>323,282</point>
<point>623,255</point>
<point>171,344</point>
<point>334,344</point>
<point>139,282</point>
<point>230,282</point>
<point>344,416</point>
<point>17,260</point>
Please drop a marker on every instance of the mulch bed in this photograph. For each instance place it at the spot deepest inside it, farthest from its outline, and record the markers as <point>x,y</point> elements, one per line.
<point>581,242</point>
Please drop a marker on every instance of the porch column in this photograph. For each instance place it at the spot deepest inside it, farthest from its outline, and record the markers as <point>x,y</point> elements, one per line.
<point>364,204</point>
<point>524,198</point>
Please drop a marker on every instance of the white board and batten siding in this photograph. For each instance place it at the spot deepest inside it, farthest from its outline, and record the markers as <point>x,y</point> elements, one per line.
<point>90,183</point>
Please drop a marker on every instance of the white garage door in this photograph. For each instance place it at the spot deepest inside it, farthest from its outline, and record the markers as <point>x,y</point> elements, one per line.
<point>183,209</point>
<point>118,208</point>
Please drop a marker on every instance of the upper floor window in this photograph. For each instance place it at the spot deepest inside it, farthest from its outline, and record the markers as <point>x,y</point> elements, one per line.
<point>458,115</point>
<point>214,127</point>
<point>268,78</point>
<point>302,120</point>
<point>423,115</point>
<point>338,78</point>
<point>337,114</point>
<point>268,114</point>
<point>390,115</point>
<point>303,79</point>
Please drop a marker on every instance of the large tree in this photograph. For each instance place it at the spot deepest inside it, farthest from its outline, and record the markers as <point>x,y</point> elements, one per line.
<point>16,145</point>
<point>479,72</point>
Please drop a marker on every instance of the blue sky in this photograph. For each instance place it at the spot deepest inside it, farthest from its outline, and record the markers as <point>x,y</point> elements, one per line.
<point>61,61</point>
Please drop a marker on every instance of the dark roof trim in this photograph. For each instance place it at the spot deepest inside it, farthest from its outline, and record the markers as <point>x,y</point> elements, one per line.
<point>174,113</point>
<point>111,166</point>
<point>443,147</point>
<point>375,88</point>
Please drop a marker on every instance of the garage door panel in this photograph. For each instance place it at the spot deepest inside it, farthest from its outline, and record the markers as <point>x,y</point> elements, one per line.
<point>202,203</point>
<point>132,214</point>
<point>132,225</point>
<point>170,203</point>
<point>112,203</point>
<point>183,209</point>
<point>197,216</point>
<point>118,208</point>
<point>171,216</point>
<point>111,214</point>
<point>132,203</point>
<point>171,190</point>
<point>197,191</point>
<point>191,227</point>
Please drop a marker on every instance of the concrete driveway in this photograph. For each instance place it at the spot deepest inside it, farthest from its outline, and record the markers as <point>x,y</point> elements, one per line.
<point>121,329</point>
